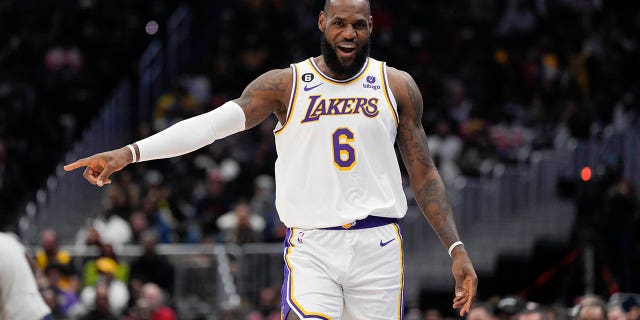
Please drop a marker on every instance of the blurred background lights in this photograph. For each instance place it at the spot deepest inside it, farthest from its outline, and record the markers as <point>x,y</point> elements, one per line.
<point>151,28</point>
<point>585,174</point>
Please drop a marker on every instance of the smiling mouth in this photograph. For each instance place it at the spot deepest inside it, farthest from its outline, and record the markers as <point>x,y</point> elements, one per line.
<point>347,49</point>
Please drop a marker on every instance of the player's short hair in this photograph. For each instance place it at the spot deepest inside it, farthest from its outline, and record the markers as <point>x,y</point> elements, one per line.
<point>326,4</point>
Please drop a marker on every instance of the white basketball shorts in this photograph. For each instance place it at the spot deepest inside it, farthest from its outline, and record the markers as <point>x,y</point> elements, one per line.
<point>350,272</point>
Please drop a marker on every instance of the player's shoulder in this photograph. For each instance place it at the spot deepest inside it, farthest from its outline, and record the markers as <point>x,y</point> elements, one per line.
<point>397,76</point>
<point>275,80</point>
<point>279,73</point>
<point>400,81</point>
<point>9,243</point>
<point>274,84</point>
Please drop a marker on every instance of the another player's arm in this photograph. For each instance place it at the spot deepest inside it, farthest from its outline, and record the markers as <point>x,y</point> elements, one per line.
<point>427,186</point>
<point>265,95</point>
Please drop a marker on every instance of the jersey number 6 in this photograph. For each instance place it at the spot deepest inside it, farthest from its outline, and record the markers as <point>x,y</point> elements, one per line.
<point>344,156</point>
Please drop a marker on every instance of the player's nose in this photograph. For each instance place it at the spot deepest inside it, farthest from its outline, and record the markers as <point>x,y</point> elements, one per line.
<point>349,33</point>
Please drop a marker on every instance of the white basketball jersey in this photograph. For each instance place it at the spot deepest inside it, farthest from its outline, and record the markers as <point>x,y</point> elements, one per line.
<point>336,161</point>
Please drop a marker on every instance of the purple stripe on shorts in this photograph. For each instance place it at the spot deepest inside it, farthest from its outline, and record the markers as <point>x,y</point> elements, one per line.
<point>402,253</point>
<point>285,284</point>
<point>368,222</point>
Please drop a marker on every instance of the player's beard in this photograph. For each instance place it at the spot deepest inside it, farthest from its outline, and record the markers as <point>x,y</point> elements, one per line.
<point>331,58</point>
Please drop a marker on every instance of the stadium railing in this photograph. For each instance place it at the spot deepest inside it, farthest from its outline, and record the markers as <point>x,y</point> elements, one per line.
<point>202,284</point>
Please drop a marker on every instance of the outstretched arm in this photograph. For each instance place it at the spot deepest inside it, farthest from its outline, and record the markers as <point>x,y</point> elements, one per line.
<point>427,186</point>
<point>265,95</point>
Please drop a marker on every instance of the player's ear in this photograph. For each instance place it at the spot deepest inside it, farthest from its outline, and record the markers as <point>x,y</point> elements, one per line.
<point>370,24</point>
<point>321,21</point>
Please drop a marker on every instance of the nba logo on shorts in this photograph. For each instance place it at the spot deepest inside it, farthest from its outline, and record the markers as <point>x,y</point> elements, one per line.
<point>300,235</point>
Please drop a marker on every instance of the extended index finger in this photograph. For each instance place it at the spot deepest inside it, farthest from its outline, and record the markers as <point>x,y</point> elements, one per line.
<point>77,164</point>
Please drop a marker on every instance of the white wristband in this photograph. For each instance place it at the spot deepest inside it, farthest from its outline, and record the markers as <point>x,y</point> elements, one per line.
<point>453,245</point>
<point>193,133</point>
<point>133,153</point>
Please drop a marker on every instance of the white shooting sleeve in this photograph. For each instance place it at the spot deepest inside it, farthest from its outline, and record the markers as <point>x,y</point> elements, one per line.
<point>194,133</point>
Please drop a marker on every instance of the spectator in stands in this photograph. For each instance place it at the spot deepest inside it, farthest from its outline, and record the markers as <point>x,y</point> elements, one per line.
<point>616,312</point>
<point>509,306</point>
<point>478,150</point>
<point>432,314</point>
<point>631,307</point>
<point>139,225</point>
<point>115,201</point>
<point>518,19</point>
<point>241,225</point>
<point>211,201</point>
<point>118,293</point>
<point>592,312</point>
<point>445,148</point>
<point>101,309</point>
<point>112,224</point>
<point>152,267</point>
<point>198,86</point>
<point>68,59</point>
<point>87,236</point>
<point>228,313</point>
<point>459,105</point>
<point>51,254</point>
<point>113,229</point>
<point>51,299</point>
<point>557,311</point>
<point>92,237</point>
<point>67,299</point>
<point>135,290</point>
<point>481,311</point>
<point>263,203</point>
<point>174,106</point>
<point>511,139</point>
<point>131,189</point>
<point>531,314</point>
<point>153,304</point>
<point>90,268</point>
<point>268,307</point>
<point>413,314</point>
<point>158,208</point>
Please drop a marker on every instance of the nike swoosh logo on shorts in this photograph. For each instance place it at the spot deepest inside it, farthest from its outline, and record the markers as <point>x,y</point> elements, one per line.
<point>382,244</point>
<point>311,88</point>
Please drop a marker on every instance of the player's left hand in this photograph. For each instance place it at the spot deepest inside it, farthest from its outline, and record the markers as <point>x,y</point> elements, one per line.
<point>466,280</point>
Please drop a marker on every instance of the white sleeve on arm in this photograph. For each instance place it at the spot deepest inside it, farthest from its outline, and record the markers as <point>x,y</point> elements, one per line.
<point>193,133</point>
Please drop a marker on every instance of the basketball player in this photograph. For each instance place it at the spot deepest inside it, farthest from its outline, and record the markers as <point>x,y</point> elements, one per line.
<point>338,185</point>
<point>19,295</point>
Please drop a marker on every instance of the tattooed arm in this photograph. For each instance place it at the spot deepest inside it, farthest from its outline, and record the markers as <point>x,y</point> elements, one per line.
<point>427,185</point>
<point>267,94</point>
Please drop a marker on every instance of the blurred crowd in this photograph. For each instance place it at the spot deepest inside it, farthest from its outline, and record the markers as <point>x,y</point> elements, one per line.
<point>108,287</point>
<point>105,287</point>
<point>511,307</point>
<point>58,62</point>
<point>500,79</point>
